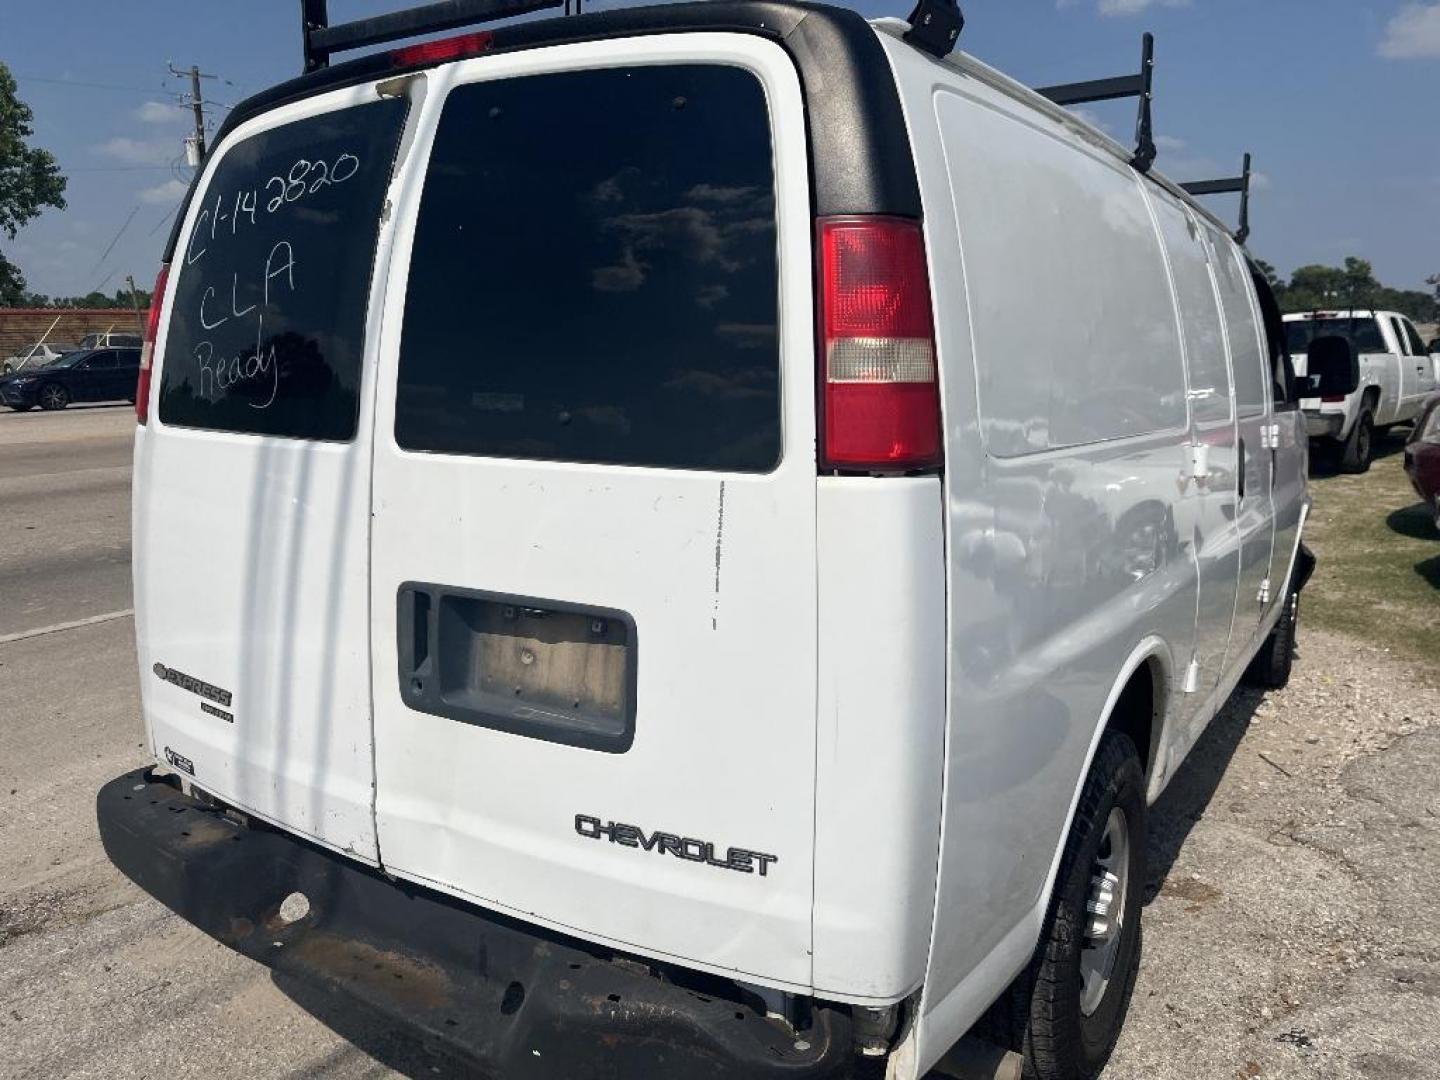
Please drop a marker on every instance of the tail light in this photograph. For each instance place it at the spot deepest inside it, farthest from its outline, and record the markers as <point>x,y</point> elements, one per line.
<point>879,388</point>
<point>147,350</point>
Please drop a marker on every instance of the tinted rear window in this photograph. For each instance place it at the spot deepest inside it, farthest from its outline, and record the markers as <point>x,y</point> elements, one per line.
<point>1362,333</point>
<point>594,276</point>
<point>267,327</point>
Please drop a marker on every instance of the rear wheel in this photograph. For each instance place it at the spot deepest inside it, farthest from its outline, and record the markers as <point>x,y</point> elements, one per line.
<point>1065,1012</point>
<point>1359,448</point>
<point>53,396</point>
<point>1270,670</point>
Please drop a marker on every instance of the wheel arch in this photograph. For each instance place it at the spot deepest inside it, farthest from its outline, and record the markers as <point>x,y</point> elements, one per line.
<point>1137,706</point>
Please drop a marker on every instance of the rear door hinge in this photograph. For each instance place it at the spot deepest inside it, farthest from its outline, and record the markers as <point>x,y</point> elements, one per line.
<point>1265,591</point>
<point>1270,436</point>
<point>1192,676</point>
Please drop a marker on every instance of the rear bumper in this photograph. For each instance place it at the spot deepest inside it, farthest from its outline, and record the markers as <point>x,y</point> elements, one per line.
<point>1324,425</point>
<point>506,997</point>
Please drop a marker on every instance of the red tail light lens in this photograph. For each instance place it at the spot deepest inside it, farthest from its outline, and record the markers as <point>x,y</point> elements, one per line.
<point>147,351</point>
<point>437,52</point>
<point>881,395</point>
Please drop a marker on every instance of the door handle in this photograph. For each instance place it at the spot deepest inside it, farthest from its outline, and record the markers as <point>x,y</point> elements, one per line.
<point>1240,469</point>
<point>413,634</point>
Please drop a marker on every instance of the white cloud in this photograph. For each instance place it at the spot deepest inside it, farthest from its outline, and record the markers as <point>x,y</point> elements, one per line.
<point>168,192</point>
<point>141,151</point>
<point>1169,143</point>
<point>1134,7</point>
<point>1413,33</point>
<point>158,112</point>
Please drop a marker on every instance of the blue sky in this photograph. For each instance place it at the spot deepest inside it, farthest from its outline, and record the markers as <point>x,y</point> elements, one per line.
<point>1335,98</point>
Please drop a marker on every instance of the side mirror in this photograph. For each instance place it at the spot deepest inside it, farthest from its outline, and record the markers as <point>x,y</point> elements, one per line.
<point>1332,368</point>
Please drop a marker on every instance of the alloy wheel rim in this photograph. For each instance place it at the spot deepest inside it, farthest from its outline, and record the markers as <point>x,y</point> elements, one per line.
<point>53,395</point>
<point>1105,912</point>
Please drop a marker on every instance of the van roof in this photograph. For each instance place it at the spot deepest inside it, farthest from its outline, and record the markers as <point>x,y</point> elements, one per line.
<point>861,162</point>
<point>1033,99</point>
<point>860,153</point>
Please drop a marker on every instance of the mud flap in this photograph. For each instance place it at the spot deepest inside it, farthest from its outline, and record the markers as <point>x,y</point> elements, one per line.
<point>1304,566</point>
<point>509,998</point>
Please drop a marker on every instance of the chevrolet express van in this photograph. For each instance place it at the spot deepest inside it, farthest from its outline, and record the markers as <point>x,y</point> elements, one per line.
<point>682,541</point>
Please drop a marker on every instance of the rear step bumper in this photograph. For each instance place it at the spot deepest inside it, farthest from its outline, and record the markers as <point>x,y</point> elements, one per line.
<point>509,998</point>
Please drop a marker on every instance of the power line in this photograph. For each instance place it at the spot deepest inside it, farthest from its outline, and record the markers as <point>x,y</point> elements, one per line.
<point>114,240</point>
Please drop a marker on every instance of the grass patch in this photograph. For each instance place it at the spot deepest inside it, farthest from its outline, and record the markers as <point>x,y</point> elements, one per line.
<point>1379,557</point>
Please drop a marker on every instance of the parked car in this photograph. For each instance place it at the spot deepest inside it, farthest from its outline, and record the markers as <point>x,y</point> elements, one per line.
<point>36,356</point>
<point>85,375</point>
<point>1422,457</point>
<point>110,340</point>
<point>1396,375</point>
<point>756,651</point>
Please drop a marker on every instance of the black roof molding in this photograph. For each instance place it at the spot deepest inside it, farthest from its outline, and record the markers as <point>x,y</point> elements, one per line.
<point>861,161</point>
<point>1228,186</point>
<point>1137,86</point>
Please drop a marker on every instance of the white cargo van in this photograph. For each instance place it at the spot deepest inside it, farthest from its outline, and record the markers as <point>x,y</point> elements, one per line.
<point>1397,374</point>
<point>682,541</point>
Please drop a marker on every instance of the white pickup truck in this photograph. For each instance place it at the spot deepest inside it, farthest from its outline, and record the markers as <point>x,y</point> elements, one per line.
<point>1397,373</point>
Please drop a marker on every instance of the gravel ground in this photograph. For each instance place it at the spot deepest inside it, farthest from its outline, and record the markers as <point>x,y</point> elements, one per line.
<point>1294,924</point>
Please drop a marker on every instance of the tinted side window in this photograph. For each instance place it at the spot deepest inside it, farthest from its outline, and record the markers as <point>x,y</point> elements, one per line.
<point>267,325</point>
<point>1401,342</point>
<point>101,361</point>
<point>1251,369</point>
<point>594,273</point>
<point>1282,375</point>
<point>1417,347</point>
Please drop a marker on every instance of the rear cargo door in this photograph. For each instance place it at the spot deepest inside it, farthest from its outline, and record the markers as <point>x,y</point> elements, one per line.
<point>252,477</point>
<point>593,573</point>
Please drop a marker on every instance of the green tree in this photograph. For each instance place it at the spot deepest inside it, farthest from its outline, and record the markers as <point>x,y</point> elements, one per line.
<point>30,180</point>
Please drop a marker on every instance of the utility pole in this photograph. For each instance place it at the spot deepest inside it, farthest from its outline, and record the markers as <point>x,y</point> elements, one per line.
<point>135,303</point>
<point>197,103</point>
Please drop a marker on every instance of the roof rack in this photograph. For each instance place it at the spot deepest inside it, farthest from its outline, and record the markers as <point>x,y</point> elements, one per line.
<point>321,40</point>
<point>1120,87</point>
<point>1227,186</point>
<point>935,26</point>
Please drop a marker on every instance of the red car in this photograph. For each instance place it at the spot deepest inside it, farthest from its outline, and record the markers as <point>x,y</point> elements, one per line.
<point>1422,455</point>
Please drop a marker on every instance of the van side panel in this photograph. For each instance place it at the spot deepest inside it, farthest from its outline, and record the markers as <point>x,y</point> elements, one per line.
<point>881,733</point>
<point>1065,566</point>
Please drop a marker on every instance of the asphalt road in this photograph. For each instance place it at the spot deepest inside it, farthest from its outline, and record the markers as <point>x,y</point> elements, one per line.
<point>1290,918</point>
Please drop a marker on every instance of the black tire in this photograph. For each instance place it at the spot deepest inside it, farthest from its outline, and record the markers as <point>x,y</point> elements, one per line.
<point>53,397</point>
<point>1270,669</point>
<point>1359,448</point>
<point>1041,1014</point>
